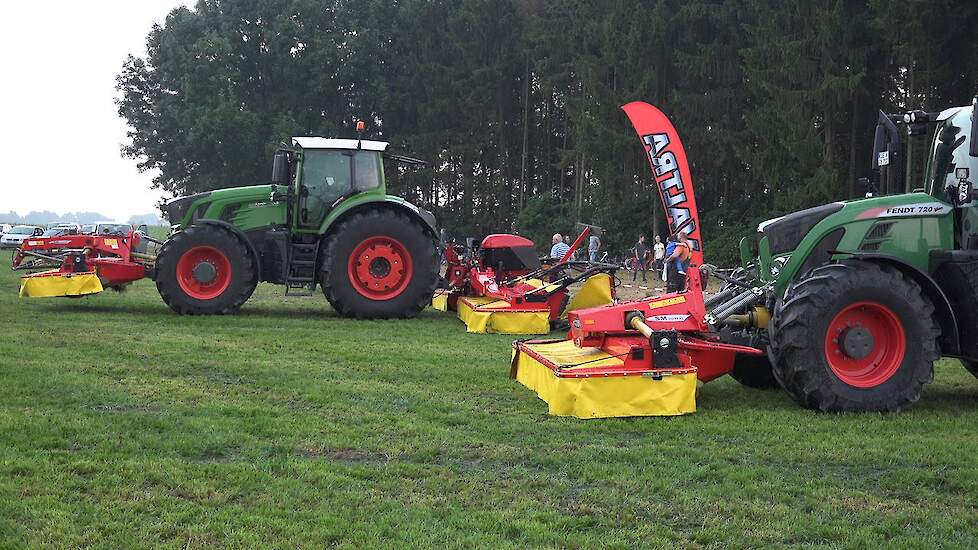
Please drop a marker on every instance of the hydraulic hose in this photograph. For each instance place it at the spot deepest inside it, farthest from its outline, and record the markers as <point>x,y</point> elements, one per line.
<point>742,301</point>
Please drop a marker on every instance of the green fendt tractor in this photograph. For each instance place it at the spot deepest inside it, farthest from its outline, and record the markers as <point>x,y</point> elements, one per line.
<point>865,295</point>
<point>325,218</point>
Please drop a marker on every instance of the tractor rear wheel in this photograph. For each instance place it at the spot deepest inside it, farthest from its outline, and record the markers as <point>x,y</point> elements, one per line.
<point>205,269</point>
<point>854,336</point>
<point>379,264</point>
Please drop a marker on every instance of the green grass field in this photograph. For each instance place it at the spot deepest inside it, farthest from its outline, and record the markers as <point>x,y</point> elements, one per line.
<point>125,425</point>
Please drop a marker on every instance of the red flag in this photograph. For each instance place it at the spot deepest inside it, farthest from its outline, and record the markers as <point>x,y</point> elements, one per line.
<point>667,158</point>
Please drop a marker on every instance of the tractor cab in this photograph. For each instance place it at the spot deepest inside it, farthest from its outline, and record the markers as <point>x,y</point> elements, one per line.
<point>325,171</point>
<point>952,164</point>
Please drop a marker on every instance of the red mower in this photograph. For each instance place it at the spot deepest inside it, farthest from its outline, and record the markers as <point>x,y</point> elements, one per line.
<point>502,286</point>
<point>81,264</point>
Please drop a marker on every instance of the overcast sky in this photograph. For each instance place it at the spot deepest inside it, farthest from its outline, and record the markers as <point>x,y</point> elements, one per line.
<point>60,137</point>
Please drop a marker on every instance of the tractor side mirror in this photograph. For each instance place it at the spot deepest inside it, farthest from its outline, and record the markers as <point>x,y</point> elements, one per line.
<point>280,168</point>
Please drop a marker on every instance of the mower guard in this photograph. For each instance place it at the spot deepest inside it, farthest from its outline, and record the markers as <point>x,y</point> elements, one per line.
<point>591,383</point>
<point>54,283</point>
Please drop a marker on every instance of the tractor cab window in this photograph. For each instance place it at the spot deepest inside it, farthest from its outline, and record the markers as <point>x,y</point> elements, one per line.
<point>366,170</point>
<point>948,152</point>
<point>326,176</point>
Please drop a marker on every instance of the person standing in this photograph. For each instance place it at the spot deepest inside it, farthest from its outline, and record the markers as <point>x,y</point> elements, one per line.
<point>442,243</point>
<point>676,264</point>
<point>640,251</point>
<point>593,246</point>
<point>559,247</point>
<point>658,253</point>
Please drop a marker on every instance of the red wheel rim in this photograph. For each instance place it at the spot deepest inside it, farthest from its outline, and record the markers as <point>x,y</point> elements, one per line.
<point>380,268</point>
<point>204,272</point>
<point>865,344</point>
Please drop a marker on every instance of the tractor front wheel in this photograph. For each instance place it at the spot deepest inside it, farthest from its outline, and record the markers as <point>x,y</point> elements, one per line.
<point>379,264</point>
<point>754,371</point>
<point>205,269</point>
<point>854,336</point>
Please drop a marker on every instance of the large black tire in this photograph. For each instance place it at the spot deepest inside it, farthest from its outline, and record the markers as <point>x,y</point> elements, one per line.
<point>960,284</point>
<point>864,373</point>
<point>754,371</point>
<point>410,268</point>
<point>230,262</point>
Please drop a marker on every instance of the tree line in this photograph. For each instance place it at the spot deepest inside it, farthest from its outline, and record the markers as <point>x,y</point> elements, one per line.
<point>515,103</point>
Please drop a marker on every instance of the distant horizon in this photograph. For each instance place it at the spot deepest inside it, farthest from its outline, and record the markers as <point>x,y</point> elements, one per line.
<point>49,216</point>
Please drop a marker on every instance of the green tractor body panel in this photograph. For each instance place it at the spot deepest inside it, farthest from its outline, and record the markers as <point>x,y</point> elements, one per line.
<point>374,198</point>
<point>908,227</point>
<point>246,208</point>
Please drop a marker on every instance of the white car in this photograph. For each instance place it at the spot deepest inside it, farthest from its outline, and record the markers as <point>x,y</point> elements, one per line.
<point>18,234</point>
<point>5,228</point>
<point>56,229</point>
<point>112,228</point>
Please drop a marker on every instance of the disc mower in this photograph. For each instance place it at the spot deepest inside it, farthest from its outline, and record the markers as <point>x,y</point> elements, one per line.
<point>845,305</point>
<point>501,286</point>
<point>77,265</point>
<point>325,219</point>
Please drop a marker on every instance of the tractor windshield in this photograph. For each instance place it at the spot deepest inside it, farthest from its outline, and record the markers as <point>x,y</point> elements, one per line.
<point>329,175</point>
<point>949,150</point>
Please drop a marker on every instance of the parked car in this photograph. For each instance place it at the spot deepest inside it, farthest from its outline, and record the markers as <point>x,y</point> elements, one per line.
<point>56,229</point>
<point>18,234</point>
<point>112,228</point>
<point>5,228</point>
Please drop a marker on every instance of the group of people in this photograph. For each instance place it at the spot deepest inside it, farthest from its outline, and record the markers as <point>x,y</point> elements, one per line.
<point>559,247</point>
<point>671,259</point>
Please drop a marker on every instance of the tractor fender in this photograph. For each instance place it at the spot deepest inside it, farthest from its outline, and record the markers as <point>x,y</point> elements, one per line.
<point>239,234</point>
<point>398,204</point>
<point>950,341</point>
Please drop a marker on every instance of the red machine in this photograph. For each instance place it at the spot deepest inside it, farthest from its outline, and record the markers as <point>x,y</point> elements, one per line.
<point>502,286</point>
<point>645,357</point>
<point>81,264</point>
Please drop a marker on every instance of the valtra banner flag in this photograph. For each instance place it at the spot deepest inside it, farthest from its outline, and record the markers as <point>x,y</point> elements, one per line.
<point>667,158</point>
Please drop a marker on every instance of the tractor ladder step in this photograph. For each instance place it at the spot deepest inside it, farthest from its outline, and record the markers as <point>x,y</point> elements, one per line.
<point>302,269</point>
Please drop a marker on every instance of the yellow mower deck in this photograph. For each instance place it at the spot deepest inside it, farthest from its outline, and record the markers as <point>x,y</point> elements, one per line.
<point>489,315</point>
<point>50,284</point>
<point>590,383</point>
<point>482,315</point>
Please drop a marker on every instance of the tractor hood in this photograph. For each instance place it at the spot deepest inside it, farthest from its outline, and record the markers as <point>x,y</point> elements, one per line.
<point>186,209</point>
<point>784,233</point>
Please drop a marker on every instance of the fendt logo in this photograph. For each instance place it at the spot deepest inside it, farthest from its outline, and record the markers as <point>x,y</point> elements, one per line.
<point>672,190</point>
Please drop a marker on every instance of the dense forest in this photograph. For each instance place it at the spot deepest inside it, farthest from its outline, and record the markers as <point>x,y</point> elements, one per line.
<point>515,103</point>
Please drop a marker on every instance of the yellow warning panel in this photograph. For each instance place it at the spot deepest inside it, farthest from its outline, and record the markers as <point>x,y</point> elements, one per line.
<point>440,300</point>
<point>596,291</point>
<point>599,396</point>
<point>50,286</point>
<point>482,315</point>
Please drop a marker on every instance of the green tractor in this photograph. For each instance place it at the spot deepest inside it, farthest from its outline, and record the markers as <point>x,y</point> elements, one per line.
<point>855,301</point>
<point>325,219</point>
